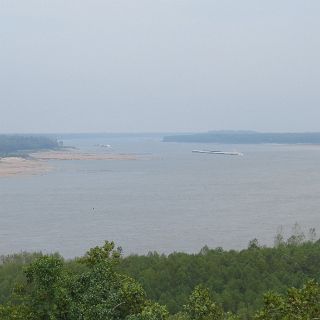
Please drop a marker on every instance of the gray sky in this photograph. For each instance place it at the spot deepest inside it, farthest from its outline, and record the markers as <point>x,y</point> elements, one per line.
<point>159,65</point>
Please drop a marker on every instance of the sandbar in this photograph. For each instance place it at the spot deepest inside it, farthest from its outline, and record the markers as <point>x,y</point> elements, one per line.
<point>78,155</point>
<point>12,166</point>
<point>37,162</point>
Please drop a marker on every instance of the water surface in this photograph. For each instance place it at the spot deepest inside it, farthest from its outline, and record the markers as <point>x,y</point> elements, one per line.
<point>173,201</point>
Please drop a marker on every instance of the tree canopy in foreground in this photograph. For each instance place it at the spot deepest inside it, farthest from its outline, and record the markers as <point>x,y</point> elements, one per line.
<point>94,288</point>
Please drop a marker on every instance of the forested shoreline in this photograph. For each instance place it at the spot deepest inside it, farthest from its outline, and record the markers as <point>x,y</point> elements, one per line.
<point>18,144</point>
<point>211,284</point>
<point>246,137</point>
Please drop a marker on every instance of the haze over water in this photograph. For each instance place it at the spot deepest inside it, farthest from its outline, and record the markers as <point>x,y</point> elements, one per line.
<point>170,200</point>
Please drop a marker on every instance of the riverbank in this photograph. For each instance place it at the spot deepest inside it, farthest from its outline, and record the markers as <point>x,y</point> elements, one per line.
<point>37,162</point>
<point>12,166</point>
<point>72,154</point>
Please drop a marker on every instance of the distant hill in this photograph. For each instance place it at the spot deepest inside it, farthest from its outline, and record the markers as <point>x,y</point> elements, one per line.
<point>14,144</point>
<point>246,137</point>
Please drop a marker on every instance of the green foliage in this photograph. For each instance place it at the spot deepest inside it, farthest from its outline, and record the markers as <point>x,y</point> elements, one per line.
<point>200,306</point>
<point>105,255</point>
<point>45,293</point>
<point>14,312</point>
<point>101,292</point>
<point>11,272</point>
<point>95,286</point>
<point>51,292</point>
<point>236,279</point>
<point>151,311</point>
<point>297,304</point>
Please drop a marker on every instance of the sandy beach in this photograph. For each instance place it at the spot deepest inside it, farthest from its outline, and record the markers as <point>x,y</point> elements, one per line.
<point>38,161</point>
<point>78,155</point>
<point>12,166</point>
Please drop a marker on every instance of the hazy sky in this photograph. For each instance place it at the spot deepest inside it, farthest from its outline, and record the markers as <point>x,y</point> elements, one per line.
<point>159,65</point>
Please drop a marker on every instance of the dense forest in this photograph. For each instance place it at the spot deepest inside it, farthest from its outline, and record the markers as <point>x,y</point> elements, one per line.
<point>255,283</point>
<point>246,137</point>
<point>12,144</point>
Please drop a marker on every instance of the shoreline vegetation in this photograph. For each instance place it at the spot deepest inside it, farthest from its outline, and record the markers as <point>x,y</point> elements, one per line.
<point>247,137</point>
<point>261,283</point>
<point>20,145</point>
<point>29,155</point>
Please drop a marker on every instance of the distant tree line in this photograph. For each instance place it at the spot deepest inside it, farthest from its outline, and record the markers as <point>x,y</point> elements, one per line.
<point>246,137</point>
<point>17,143</point>
<point>260,283</point>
